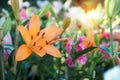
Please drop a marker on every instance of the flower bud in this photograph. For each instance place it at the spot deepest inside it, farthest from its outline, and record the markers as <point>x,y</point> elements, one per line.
<point>15,8</point>
<point>66,23</point>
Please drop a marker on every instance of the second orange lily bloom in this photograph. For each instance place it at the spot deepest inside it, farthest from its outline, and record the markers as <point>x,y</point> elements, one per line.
<point>38,41</point>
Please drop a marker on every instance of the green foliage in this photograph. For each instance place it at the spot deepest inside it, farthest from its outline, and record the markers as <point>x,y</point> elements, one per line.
<point>44,10</point>
<point>84,52</point>
<point>96,39</point>
<point>6,26</point>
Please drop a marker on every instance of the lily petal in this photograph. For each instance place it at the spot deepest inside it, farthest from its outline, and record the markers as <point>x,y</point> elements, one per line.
<point>23,52</point>
<point>25,34</point>
<point>51,32</point>
<point>52,51</point>
<point>41,52</point>
<point>34,26</point>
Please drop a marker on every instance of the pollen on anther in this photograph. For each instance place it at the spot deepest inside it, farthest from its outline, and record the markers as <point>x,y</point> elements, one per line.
<point>43,34</point>
<point>38,33</point>
<point>34,44</point>
<point>46,43</point>
<point>40,48</point>
<point>31,36</point>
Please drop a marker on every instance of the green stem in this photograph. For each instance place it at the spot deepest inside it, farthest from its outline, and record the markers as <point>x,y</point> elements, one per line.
<point>2,63</point>
<point>16,47</point>
<point>2,74</point>
<point>18,71</point>
<point>111,41</point>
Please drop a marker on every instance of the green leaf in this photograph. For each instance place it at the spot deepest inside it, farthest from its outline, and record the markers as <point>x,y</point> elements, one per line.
<point>105,49</point>
<point>2,20</point>
<point>83,52</point>
<point>96,39</point>
<point>117,53</point>
<point>53,13</point>
<point>28,12</point>
<point>44,10</point>
<point>6,26</point>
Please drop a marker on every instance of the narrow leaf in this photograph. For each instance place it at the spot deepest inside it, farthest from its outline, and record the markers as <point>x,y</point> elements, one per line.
<point>83,52</point>
<point>2,20</point>
<point>6,26</point>
<point>44,10</point>
<point>54,14</point>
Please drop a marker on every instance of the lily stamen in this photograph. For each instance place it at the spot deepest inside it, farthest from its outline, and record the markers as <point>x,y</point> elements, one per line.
<point>43,35</point>
<point>40,48</point>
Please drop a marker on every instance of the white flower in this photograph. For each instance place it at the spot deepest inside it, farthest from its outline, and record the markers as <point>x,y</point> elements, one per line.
<point>57,6</point>
<point>112,74</point>
<point>41,4</point>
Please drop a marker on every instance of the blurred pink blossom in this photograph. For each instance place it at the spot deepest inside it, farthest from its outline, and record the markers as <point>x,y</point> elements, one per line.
<point>23,14</point>
<point>80,40</point>
<point>69,45</point>
<point>106,35</point>
<point>80,45</point>
<point>7,40</point>
<point>69,62</point>
<point>78,26</point>
<point>106,56</point>
<point>82,59</point>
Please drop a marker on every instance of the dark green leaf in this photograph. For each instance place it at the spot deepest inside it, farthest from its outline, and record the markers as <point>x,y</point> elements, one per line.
<point>83,52</point>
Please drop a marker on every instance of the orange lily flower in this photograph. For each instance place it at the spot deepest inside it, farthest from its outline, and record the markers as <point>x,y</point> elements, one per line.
<point>38,41</point>
<point>89,40</point>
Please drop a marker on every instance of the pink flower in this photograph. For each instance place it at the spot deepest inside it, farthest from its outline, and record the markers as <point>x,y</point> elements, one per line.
<point>69,62</point>
<point>106,35</point>
<point>69,45</point>
<point>80,40</point>
<point>78,26</point>
<point>80,45</point>
<point>82,59</point>
<point>23,14</point>
<point>106,56</point>
<point>7,40</point>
